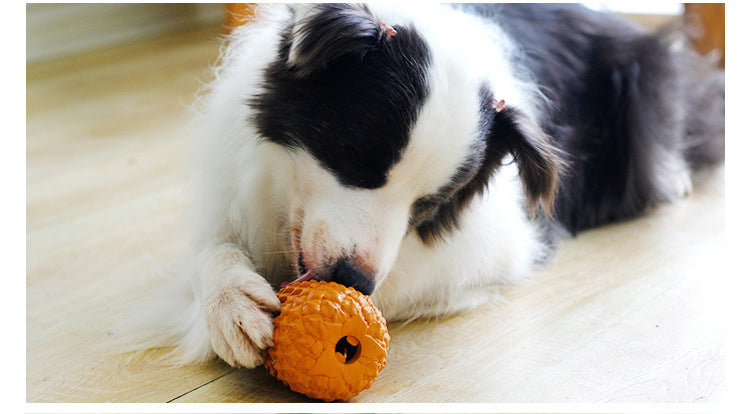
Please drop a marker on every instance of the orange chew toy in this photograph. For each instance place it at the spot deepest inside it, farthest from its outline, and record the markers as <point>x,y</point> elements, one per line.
<point>330,341</point>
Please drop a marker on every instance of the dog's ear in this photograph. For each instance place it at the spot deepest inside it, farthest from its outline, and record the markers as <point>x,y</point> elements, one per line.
<point>322,33</point>
<point>539,162</point>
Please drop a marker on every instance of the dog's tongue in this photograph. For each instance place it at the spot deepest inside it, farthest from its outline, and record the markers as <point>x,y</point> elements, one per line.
<point>307,276</point>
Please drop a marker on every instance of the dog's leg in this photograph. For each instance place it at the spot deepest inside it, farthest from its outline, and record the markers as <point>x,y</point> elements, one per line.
<point>237,303</point>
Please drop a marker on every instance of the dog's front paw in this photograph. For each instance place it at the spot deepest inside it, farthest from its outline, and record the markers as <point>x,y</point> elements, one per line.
<point>240,320</point>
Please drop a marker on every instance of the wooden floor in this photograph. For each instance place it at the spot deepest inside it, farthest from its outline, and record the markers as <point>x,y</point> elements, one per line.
<point>626,313</point>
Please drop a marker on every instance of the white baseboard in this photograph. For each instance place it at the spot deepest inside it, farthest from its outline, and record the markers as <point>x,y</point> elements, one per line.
<point>62,29</point>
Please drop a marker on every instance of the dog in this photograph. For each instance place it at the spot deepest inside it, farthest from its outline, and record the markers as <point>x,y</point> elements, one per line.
<point>423,156</point>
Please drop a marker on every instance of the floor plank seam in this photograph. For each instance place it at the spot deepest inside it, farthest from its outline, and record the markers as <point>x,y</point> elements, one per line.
<point>202,385</point>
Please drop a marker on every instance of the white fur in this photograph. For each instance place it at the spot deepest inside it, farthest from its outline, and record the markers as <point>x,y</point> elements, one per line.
<point>251,194</point>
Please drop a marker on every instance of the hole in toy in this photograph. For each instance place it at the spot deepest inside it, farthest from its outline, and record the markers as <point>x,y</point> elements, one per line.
<point>348,349</point>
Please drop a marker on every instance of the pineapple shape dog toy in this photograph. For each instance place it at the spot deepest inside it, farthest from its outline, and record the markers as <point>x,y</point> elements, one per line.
<point>330,341</point>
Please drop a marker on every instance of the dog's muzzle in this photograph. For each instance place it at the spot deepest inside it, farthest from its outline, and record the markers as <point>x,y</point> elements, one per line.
<point>342,272</point>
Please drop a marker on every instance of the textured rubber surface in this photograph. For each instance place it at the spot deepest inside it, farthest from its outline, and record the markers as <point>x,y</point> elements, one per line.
<point>318,319</point>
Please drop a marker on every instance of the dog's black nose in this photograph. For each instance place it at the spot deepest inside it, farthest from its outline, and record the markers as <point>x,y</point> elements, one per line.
<point>346,274</point>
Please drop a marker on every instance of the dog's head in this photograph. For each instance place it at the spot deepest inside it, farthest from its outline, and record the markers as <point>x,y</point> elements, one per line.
<point>391,131</point>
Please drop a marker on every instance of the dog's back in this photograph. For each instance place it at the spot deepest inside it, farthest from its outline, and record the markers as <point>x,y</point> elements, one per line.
<point>635,112</point>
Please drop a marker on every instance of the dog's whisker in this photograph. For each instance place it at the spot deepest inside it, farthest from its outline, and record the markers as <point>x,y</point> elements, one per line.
<point>283,251</point>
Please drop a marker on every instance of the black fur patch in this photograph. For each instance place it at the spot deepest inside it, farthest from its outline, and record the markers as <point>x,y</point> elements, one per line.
<point>332,31</point>
<point>350,98</point>
<point>632,126</point>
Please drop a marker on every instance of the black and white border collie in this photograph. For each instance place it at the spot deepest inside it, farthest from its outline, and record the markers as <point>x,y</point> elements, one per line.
<point>423,155</point>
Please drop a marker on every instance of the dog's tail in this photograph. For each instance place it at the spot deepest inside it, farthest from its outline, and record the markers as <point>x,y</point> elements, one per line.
<point>167,315</point>
<point>703,86</point>
<point>701,83</point>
